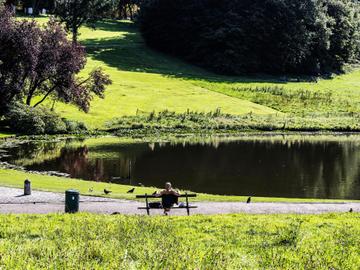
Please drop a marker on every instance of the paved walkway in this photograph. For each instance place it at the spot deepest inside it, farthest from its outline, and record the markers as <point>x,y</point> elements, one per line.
<point>12,201</point>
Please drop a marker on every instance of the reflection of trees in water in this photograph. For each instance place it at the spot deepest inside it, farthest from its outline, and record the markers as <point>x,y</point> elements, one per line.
<point>263,168</point>
<point>322,169</point>
<point>77,164</point>
<point>34,153</point>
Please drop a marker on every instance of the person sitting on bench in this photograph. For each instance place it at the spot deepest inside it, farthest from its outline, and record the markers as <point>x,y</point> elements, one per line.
<point>169,197</point>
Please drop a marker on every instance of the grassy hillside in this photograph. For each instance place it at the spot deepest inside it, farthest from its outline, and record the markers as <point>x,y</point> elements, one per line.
<point>84,241</point>
<point>146,81</point>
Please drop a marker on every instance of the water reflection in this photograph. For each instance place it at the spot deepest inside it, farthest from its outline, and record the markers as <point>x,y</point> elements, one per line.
<point>308,167</point>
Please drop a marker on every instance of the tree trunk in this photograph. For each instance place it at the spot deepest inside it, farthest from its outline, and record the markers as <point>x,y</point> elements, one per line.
<point>74,34</point>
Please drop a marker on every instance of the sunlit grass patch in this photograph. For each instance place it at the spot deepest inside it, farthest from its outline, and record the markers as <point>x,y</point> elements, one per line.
<point>84,241</point>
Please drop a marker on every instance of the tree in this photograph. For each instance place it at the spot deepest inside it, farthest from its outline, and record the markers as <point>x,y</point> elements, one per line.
<point>75,13</point>
<point>128,8</point>
<point>255,36</point>
<point>43,63</point>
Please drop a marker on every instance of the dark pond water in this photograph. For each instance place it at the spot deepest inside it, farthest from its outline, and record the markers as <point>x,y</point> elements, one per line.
<point>292,166</point>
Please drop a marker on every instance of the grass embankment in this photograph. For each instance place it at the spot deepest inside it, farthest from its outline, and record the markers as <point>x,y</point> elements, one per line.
<point>147,81</point>
<point>13,178</point>
<point>214,242</point>
<point>215,122</point>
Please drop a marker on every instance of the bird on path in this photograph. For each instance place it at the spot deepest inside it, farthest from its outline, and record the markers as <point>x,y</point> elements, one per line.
<point>131,190</point>
<point>248,200</point>
<point>107,191</point>
<point>351,210</point>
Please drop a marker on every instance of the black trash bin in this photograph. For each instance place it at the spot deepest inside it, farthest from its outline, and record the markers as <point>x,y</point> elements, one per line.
<point>27,187</point>
<point>72,198</point>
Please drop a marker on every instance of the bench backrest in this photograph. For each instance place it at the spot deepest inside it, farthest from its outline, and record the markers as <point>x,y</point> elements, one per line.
<point>154,196</point>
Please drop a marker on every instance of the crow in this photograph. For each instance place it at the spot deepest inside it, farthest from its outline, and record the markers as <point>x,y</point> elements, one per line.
<point>155,192</point>
<point>131,190</point>
<point>248,200</point>
<point>351,210</point>
<point>107,191</point>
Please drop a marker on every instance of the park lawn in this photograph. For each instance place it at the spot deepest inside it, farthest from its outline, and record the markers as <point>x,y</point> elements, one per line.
<point>145,80</point>
<point>328,96</point>
<point>86,241</point>
<point>14,178</point>
<point>5,135</point>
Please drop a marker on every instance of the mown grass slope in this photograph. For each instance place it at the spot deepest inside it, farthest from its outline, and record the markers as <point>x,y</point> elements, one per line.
<point>85,241</point>
<point>146,81</point>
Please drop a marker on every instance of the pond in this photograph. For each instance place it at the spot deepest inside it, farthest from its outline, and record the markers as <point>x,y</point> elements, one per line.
<point>300,166</point>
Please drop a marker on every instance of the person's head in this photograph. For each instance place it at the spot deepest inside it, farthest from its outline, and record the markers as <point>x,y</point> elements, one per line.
<point>167,185</point>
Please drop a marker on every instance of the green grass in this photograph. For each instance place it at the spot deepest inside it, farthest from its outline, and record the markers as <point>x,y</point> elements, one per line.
<point>5,135</point>
<point>144,80</point>
<point>13,178</point>
<point>338,95</point>
<point>85,241</point>
<point>147,81</point>
<point>215,122</point>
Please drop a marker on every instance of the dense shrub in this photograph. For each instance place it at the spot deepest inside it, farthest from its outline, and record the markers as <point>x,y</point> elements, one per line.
<point>252,36</point>
<point>74,126</point>
<point>40,120</point>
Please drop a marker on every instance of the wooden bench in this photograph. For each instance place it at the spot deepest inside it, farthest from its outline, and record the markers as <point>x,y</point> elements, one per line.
<point>147,197</point>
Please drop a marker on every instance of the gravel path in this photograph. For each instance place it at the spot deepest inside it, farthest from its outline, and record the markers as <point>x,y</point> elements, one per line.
<point>12,201</point>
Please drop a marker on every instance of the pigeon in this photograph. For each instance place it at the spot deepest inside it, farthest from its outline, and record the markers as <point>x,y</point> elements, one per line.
<point>107,191</point>
<point>351,210</point>
<point>131,190</point>
<point>91,189</point>
<point>248,200</point>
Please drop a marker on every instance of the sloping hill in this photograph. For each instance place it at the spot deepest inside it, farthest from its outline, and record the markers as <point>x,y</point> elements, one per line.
<point>144,80</point>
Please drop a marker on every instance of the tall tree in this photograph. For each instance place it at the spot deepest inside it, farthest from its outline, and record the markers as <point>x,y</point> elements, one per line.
<point>256,36</point>
<point>75,13</point>
<point>43,63</point>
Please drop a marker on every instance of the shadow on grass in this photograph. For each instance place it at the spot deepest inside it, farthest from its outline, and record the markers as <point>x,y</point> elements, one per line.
<point>129,52</point>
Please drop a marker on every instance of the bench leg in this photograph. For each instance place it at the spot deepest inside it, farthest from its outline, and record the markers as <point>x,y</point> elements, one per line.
<point>187,205</point>
<point>147,205</point>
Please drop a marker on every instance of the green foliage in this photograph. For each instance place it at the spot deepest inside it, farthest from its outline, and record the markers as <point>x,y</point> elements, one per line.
<point>74,126</point>
<point>25,119</point>
<point>216,122</point>
<point>75,13</point>
<point>85,241</point>
<point>256,36</point>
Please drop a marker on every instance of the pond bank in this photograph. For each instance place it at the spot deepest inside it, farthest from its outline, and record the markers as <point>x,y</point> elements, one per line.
<point>15,179</point>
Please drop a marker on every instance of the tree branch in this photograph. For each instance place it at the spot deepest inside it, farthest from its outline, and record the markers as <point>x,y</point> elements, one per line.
<point>46,95</point>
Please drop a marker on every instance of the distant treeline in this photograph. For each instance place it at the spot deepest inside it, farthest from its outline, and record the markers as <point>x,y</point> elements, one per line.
<point>120,9</point>
<point>311,37</point>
